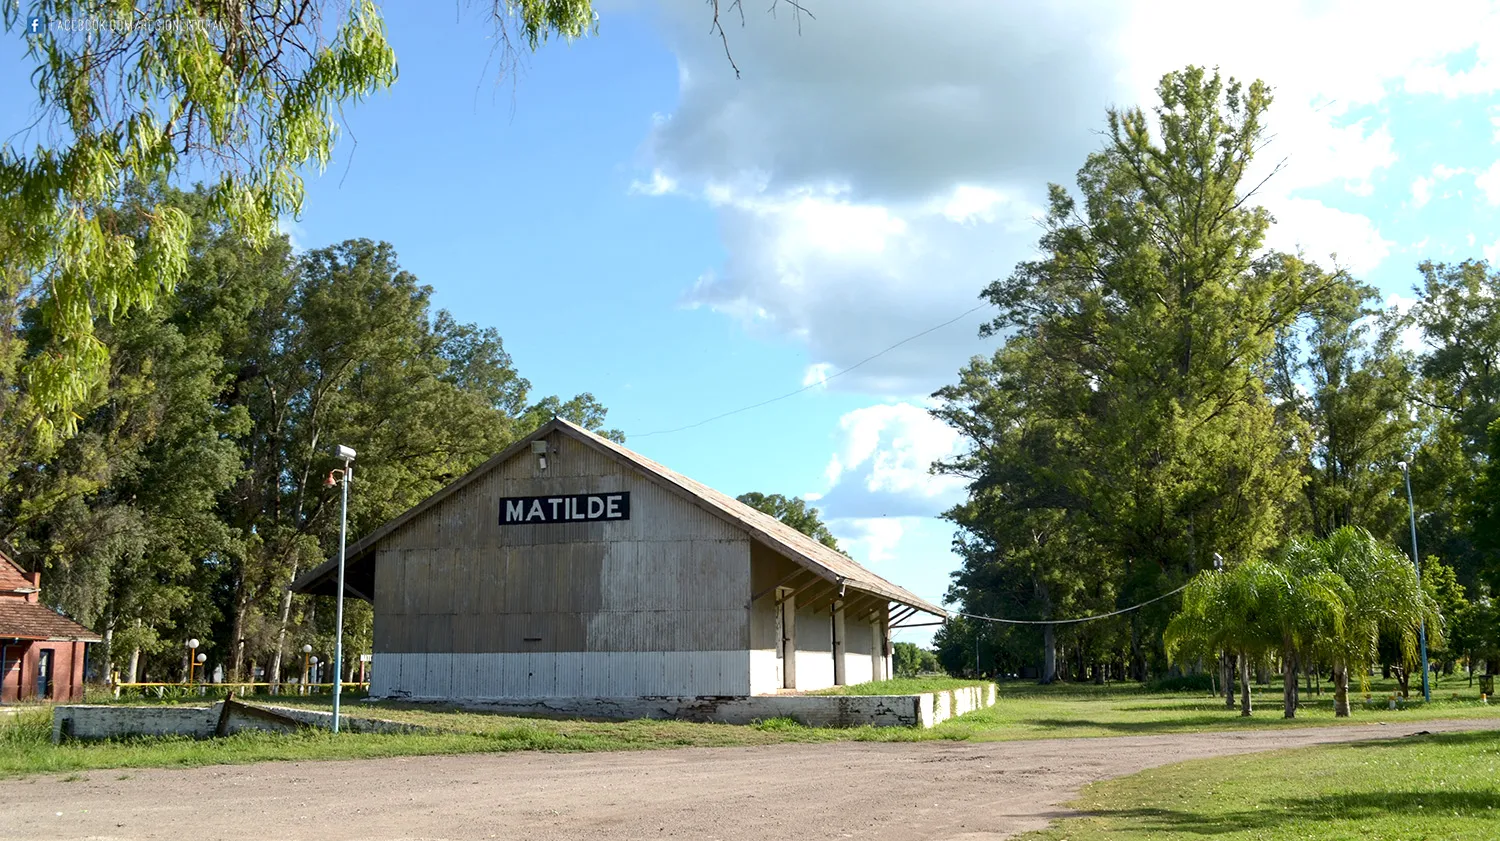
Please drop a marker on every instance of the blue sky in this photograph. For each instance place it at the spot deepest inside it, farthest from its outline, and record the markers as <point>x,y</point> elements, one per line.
<point>640,224</point>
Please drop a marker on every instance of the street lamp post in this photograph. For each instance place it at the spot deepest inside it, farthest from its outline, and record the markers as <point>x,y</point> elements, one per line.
<point>306,666</point>
<point>347,454</point>
<point>1416,562</point>
<point>192,647</point>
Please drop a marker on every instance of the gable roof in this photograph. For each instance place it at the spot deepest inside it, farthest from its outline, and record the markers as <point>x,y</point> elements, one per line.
<point>20,619</point>
<point>24,620</point>
<point>827,563</point>
<point>13,579</point>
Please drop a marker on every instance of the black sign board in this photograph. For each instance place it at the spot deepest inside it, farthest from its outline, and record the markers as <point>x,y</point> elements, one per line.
<point>574,508</point>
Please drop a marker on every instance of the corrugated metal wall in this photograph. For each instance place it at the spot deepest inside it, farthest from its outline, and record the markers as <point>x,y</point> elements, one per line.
<point>468,608</point>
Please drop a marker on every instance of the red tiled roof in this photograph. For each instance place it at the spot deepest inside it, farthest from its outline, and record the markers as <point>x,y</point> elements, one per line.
<point>12,577</point>
<point>21,620</point>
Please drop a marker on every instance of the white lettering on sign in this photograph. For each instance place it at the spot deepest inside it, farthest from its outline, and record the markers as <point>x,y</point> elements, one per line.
<point>564,508</point>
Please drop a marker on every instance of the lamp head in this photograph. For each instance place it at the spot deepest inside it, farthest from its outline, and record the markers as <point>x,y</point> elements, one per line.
<point>307,649</point>
<point>1401,464</point>
<point>192,643</point>
<point>201,658</point>
<point>313,660</point>
<point>345,453</point>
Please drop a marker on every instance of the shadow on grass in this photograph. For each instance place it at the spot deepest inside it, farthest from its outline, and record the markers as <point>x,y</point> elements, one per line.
<point>1175,725</point>
<point>1412,731</point>
<point>1309,811</point>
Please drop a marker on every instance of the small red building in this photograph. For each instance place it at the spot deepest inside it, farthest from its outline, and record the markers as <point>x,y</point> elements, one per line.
<point>41,651</point>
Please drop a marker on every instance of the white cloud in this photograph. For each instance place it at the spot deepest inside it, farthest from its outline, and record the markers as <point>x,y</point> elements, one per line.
<point>817,374</point>
<point>1492,253</point>
<point>295,233</point>
<point>1321,232</point>
<point>882,467</point>
<point>1411,335</point>
<point>1421,191</point>
<point>660,184</point>
<point>870,539</point>
<point>868,192</point>
<point>1488,183</point>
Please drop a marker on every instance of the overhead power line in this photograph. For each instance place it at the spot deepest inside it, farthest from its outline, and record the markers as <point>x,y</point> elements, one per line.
<point>1071,621</point>
<point>822,381</point>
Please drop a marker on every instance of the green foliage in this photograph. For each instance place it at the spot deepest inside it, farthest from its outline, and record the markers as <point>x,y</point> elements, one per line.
<point>250,92</point>
<point>1123,435</point>
<point>192,493</point>
<point>793,511</point>
<point>909,660</point>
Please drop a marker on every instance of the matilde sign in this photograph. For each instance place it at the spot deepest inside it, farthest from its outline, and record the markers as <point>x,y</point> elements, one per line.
<point>576,508</point>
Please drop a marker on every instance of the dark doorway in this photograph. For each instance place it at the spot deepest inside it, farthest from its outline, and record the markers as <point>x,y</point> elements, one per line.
<point>44,674</point>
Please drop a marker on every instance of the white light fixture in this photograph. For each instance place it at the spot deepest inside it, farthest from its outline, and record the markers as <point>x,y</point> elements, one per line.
<point>343,452</point>
<point>313,660</point>
<point>192,643</point>
<point>201,658</point>
<point>306,649</point>
<point>539,449</point>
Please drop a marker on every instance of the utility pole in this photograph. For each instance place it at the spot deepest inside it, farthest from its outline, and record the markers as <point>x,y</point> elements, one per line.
<point>1416,562</point>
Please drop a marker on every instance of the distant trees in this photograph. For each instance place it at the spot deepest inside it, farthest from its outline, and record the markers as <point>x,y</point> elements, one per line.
<point>192,494</point>
<point>793,511</point>
<point>909,660</point>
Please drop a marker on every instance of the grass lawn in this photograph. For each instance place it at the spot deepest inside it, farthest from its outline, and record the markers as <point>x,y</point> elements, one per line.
<point>1429,787</point>
<point>1024,711</point>
<point>901,686</point>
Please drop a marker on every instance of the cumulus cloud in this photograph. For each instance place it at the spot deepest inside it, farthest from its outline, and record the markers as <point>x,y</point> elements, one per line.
<point>873,169</point>
<point>881,467</point>
<point>1488,183</point>
<point>871,539</point>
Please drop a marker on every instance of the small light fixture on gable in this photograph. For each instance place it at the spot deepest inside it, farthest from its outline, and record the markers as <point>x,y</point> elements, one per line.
<point>540,449</point>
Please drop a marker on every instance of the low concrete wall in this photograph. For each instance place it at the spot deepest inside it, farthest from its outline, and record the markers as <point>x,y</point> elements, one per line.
<point>924,710</point>
<point>112,721</point>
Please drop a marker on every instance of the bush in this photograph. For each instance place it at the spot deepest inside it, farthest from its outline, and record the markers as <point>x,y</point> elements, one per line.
<point>1183,683</point>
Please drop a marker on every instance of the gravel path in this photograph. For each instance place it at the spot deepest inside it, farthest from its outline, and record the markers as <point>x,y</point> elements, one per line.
<point>929,790</point>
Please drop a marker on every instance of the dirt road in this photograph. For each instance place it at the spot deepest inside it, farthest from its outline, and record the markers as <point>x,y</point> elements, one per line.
<point>930,790</point>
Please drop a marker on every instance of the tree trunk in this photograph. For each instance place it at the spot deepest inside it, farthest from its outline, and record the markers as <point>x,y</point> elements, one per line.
<point>1229,670</point>
<point>1098,674</point>
<point>1244,684</point>
<point>286,616</point>
<point>1137,659</point>
<point>1403,678</point>
<point>1049,654</point>
<point>1262,673</point>
<point>135,664</point>
<point>237,635</point>
<point>1340,690</point>
<point>1288,686</point>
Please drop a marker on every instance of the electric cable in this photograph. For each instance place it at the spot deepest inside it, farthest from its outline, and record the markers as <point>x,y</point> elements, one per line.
<point>810,386</point>
<point>1069,621</point>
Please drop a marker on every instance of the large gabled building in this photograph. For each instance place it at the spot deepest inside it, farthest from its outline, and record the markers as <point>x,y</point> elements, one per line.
<point>570,566</point>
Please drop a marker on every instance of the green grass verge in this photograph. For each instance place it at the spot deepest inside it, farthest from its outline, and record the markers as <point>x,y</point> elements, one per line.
<point>1024,711</point>
<point>1428,787</point>
<point>901,686</point>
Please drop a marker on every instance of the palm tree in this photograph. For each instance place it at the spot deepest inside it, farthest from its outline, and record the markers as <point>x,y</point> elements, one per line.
<point>1381,596</point>
<point>1257,608</point>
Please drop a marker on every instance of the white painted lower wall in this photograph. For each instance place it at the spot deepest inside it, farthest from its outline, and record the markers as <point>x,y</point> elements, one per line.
<point>598,674</point>
<point>765,672</point>
<point>858,668</point>
<point>814,670</point>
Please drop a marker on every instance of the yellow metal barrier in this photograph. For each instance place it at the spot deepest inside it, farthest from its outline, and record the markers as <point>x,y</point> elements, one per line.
<point>161,690</point>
